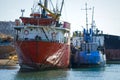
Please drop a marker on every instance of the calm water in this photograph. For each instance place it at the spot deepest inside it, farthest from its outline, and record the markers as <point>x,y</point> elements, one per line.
<point>110,72</point>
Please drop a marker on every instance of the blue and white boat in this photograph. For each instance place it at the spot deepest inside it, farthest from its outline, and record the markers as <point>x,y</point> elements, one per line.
<point>91,50</point>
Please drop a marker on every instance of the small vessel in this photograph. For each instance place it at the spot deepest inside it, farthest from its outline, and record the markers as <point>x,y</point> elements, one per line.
<point>6,47</point>
<point>7,51</point>
<point>90,51</point>
<point>42,40</point>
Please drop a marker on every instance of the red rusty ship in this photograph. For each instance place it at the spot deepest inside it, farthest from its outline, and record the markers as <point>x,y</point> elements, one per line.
<point>42,40</point>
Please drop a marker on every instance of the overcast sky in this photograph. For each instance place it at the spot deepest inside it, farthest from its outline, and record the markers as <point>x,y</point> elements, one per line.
<point>106,13</point>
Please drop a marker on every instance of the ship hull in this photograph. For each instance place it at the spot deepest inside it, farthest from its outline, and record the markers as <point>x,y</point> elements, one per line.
<point>40,55</point>
<point>113,55</point>
<point>112,47</point>
<point>92,59</point>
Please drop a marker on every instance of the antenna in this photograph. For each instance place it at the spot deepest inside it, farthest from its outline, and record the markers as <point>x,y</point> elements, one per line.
<point>61,6</point>
<point>86,15</point>
<point>22,10</point>
<point>44,12</point>
<point>92,18</point>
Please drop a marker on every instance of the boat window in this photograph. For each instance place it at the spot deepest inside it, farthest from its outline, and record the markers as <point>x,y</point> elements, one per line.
<point>89,46</point>
<point>93,47</point>
<point>83,46</point>
<point>31,29</point>
<point>66,37</point>
<point>37,37</point>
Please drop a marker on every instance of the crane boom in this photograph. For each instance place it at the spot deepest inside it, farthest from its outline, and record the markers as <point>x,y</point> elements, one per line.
<point>55,16</point>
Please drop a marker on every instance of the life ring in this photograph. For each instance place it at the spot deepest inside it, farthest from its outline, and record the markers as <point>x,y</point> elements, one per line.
<point>26,32</point>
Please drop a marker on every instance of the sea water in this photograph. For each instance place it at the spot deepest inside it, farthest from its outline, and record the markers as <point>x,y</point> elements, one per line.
<point>109,72</point>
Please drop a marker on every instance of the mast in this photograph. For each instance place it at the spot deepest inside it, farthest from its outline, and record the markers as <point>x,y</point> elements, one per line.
<point>86,15</point>
<point>87,36</point>
<point>61,6</point>
<point>22,10</point>
<point>44,13</point>
<point>92,25</point>
<point>45,10</point>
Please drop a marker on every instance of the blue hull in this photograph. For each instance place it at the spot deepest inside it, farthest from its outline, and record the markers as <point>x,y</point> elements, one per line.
<point>91,59</point>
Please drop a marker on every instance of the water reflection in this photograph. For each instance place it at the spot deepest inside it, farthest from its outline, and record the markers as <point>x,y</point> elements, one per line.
<point>89,69</point>
<point>43,75</point>
<point>109,72</point>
